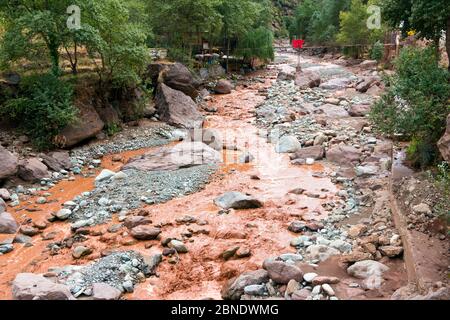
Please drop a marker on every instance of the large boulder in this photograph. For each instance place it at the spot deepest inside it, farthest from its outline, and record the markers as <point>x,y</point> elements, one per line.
<point>8,225</point>
<point>237,200</point>
<point>29,286</point>
<point>88,125</point>
<point>343,154</point>
<point>176,76</point>
<point>177,109</point>
<point>282,272</point>
<point>234,288</point>
<point>444,142</point>
<point>57,160</point>
<point>307,79</point>
<point>32,170</point>
<point>182,155</point>
<point>223,87</point>
<point>8,163</point>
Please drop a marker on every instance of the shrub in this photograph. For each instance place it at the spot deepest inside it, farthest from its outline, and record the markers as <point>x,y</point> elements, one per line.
<point>377,51</point>
<point>416,103</point>
<point>42,108</point>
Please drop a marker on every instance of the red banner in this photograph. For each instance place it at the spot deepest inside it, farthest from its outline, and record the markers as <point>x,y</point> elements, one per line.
<point>297,43</point>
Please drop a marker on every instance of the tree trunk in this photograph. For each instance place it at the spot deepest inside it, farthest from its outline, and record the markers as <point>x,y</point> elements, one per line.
<point>447,42</point>
<point>54,56</point>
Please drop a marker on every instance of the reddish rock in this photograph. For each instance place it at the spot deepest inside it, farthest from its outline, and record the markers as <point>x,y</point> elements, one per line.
<point>32,170</point>
<point>315,152</point>
<point>144,232</point>
<point>281,272</point>
<point>324,279</point>
<point>391,251</point>
<point>8,224</point>
<point>87,126</point>
<point>29,286</point>
<point>8,163</point>
<point>57,160</point>
<point>223,87</point>
<point>134,221</point>
<point>103,291</point>
<point>307,79</point>
<point>343,154</point>
<point>359,110</point>
<point>176,108</point>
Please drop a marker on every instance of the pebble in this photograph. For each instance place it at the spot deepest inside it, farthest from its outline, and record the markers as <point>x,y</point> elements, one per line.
<point>309,277</point>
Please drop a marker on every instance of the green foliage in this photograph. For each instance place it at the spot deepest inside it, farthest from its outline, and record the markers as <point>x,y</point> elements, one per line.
<point>181,25</point>
<point>416,103</point>
<point>257,43</point>
<point>354,30</point>
<point>377,51</point>
<point>42,108</point>
<point>428,18</point>
<point>318,20</point>
<point>112,128</point>
<point>119,43</point>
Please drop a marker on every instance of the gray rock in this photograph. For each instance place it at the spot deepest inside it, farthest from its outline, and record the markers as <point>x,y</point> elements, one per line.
<point>237,200</point>
<point>64,214</point>
<point>104,175</point>
<point>321,252</point>
<point>369,270</point>
<point>169,158</point>
<point>255,289</point>
<point>288,144</point>
<point>6,248</point>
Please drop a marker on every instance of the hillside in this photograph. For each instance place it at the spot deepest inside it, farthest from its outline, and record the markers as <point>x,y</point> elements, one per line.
<point>282,8</point>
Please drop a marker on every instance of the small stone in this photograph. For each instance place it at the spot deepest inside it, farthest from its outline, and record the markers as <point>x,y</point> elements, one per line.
<point>41,200</point>
<point>178,246</point>
<point>292,286</point>
<point>64,214</point>
<point>128,286</point>
<point>309,277</point>
<point>81,251</point>
<point>255,289</point>
<point>328,289</point>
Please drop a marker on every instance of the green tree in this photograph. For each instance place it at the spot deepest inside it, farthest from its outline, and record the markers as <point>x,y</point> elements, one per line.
<point>33,26</point>
<point>428,17</point>
<point>354,30</point>
<point>115,40</point>
<point>416,103</point>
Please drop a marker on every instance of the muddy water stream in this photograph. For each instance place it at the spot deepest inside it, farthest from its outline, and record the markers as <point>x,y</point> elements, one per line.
<point>201,272</point>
